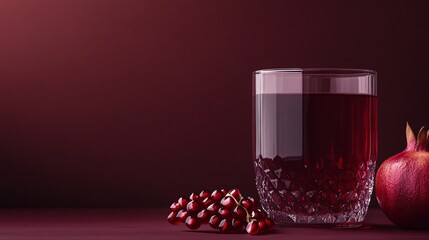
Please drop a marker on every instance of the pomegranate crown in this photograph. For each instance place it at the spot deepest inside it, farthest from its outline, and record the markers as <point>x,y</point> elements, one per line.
<point>422,142</point>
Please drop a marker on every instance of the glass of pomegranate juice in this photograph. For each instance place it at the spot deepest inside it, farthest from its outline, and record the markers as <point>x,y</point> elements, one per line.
<point>315,144</point>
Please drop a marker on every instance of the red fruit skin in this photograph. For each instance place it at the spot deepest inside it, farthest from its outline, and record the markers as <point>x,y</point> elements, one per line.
<point>402,189</point>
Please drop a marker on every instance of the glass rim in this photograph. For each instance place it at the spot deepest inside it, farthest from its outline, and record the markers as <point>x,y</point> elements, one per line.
<point>320,71</point>
<point>315,80</point>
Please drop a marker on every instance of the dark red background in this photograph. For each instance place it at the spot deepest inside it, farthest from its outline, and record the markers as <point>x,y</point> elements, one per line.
<point>133,103</point>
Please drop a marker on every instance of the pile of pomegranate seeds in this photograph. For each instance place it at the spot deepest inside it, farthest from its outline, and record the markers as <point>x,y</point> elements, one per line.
<point>222,210</point>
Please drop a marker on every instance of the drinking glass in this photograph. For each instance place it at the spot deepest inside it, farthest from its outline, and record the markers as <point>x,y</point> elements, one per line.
<point>315,144</point>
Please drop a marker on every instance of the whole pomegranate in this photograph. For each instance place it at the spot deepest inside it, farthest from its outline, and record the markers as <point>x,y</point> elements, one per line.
<point>402,183</point>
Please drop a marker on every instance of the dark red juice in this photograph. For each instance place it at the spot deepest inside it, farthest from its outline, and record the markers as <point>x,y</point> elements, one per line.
<point>315,156</point>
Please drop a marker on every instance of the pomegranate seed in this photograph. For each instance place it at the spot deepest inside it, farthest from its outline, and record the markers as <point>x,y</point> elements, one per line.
<point>252,227</point>
<point>194,197</point>
<point>253,202</point>
<point>175,207</point>
<point>213,208</point>
<point>228,202</point>
<point>237,224</point>
<point>204,194</point>
<point>240,212</point>
<point>182,215</point>
<point>224,226</point>
<point>193,206</point>
<point>257,214</point>
<point>224,212</point>
<point>172,218</point>
<point>246,203</point>
<point>192,223</point>
<point>203,216</point>
<point>183,202</point>
<point>214,221</point>
<point>269,224</point>
<point>217,195</point>
<point>207,201</point>
<point>235,193</point>
<point>261,225</point>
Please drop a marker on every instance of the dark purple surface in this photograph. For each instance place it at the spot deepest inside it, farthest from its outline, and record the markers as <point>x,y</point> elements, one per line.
<point>150,224</point>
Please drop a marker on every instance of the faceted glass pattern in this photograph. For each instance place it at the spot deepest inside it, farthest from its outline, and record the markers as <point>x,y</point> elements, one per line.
<point>290,195</point>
